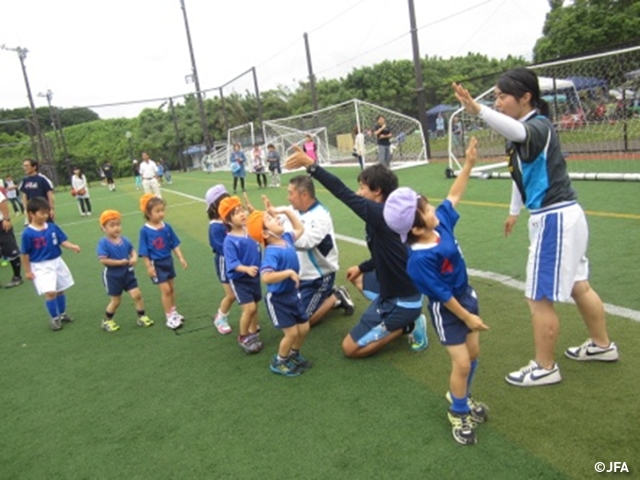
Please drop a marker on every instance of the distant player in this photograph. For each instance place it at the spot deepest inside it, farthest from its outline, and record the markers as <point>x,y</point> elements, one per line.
<point>43,263</point>
<point>107,169</point>
<point>119,258</point>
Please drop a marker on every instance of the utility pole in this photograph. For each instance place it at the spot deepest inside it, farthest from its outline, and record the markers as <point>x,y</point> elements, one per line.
<point>417,63</point>
<point>57,128</point>
<point>22,55</point>
<point>260,114</point>
<point>206,136</point>
<point>312,77</point>
<point>174,120</point>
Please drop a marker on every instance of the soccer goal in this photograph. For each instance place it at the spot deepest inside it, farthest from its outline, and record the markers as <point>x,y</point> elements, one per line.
<point>332,129</point>
<point>594,103</point>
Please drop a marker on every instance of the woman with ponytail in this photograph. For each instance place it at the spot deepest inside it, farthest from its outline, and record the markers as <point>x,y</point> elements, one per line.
<point>557,267</point>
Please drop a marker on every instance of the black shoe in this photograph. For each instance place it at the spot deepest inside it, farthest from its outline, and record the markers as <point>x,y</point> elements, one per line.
<point>342,294</point>
<point>15,281</point>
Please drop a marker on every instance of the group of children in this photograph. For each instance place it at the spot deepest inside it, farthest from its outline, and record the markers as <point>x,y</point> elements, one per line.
<point>236,235</point>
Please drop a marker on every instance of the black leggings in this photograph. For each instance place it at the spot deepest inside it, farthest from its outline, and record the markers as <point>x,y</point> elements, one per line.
<point>235,183</point>
<point>264,179</point>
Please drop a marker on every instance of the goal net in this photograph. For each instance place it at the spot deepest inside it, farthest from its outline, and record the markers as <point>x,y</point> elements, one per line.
<point>595,106</point>
<point>333,128</point>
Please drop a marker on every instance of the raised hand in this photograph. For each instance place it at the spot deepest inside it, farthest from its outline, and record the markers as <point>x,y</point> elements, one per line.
<point>465,98</point>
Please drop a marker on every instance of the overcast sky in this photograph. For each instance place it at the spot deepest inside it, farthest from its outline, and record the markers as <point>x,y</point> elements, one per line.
<point>93,52</point>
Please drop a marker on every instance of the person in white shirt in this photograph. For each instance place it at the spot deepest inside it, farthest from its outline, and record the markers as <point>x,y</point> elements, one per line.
<point>149,174</point>
<point>80,187</point>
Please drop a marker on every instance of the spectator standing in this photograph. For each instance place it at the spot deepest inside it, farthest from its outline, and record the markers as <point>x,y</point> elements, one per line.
<point>149,174</point>
<point>383,135</point>
<point>12,195</point>
<point>107,169</point>
<point>80,187</point>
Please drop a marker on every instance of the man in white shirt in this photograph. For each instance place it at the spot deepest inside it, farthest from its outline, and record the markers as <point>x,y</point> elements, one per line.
<point>149,174</point>
<point>317,253</point>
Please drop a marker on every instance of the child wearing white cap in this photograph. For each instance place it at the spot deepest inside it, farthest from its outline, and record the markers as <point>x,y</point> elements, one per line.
<point>217,232</point>
<point>437,268</point>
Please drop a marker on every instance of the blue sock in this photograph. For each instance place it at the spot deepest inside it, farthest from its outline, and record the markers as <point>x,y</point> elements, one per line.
<point>52,307</point>
<point>472,372</point>
<point>459,404</point>
<point>62,303</point>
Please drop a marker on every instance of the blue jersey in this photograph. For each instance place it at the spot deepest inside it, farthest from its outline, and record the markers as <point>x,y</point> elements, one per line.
<point>217,234</point>
<point>438,269</point>
<point>35,186</point>
<point>240,251</point>
<point>42,245</point>
<point>157,243</point>
<point>115,251</point>
<point>278,258</point>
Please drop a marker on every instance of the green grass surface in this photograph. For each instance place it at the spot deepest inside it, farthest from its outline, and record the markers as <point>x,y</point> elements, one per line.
<point>146,403</point>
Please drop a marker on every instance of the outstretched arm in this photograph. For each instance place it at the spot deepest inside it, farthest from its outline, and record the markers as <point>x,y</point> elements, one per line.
<point>457,189</point>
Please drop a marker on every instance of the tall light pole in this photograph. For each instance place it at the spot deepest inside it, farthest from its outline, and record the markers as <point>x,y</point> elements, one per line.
<point>22,55</point>
<point>417,63</point>
<point>57,128</point>
<point>203,119</point>
<point>128,136</point>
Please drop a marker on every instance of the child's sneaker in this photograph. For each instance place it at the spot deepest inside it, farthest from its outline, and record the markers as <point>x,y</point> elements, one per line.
<point>249,344</point>
<point>222,324</point>
<point>65,318</point>
<point>462,428</point>
<point>534,375</point>
<point>110,326</point>
<point>590,352</point>
<point>418,338</point>
<point>478,410</point>
<point>15,281</point>
<point>55,323</point>
<point>179,317</point>
<point>301,363</point>
<point>144,321</point>
<point>286,368</point>
<point>173,322</point>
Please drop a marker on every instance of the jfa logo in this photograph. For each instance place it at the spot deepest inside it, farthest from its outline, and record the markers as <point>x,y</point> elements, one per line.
<point>613,467</point>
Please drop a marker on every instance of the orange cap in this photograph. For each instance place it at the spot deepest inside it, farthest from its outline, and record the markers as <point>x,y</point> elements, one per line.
<point>227,205</point>
<point>109,215</point>
<point>255,226</point>
<point>144,200</point>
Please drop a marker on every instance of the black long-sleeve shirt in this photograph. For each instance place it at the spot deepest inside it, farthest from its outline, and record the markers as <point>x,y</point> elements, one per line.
<point>388,254</point>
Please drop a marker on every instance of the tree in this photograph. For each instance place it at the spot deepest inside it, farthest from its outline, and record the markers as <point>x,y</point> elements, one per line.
<point>598,24</point>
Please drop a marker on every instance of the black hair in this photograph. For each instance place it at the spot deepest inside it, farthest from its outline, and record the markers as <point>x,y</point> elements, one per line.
<point>418,220</point>
<point>519,81</point>
<point>38,203</point>
<point>212,211</point>
<point>152,203</point>
<point>303,183</point>
<point>34,163</point>
<point>379,177</point>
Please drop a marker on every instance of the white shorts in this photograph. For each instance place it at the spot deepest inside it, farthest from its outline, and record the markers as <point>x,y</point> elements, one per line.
<point>558,238</point>
<point>51,276</point>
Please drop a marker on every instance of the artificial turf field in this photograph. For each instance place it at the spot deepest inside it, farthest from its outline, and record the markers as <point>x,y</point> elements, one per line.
<point>147,403</point>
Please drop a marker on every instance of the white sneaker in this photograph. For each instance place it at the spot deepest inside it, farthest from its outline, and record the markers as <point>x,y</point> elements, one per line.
<point>173,322</point>
<point>590,352</point>
<point>533,375</point>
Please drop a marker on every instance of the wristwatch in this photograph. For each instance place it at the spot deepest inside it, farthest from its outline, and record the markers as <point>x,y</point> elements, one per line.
<point>311,169</point>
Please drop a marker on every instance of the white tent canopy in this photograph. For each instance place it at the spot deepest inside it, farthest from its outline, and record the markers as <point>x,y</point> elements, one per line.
<point>546,84</point>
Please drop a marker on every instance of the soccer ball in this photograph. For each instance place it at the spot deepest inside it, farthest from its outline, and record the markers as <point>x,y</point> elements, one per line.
<point>73,192</point>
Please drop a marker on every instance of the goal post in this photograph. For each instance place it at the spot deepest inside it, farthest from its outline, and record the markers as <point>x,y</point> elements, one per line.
<point>594,104</point>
